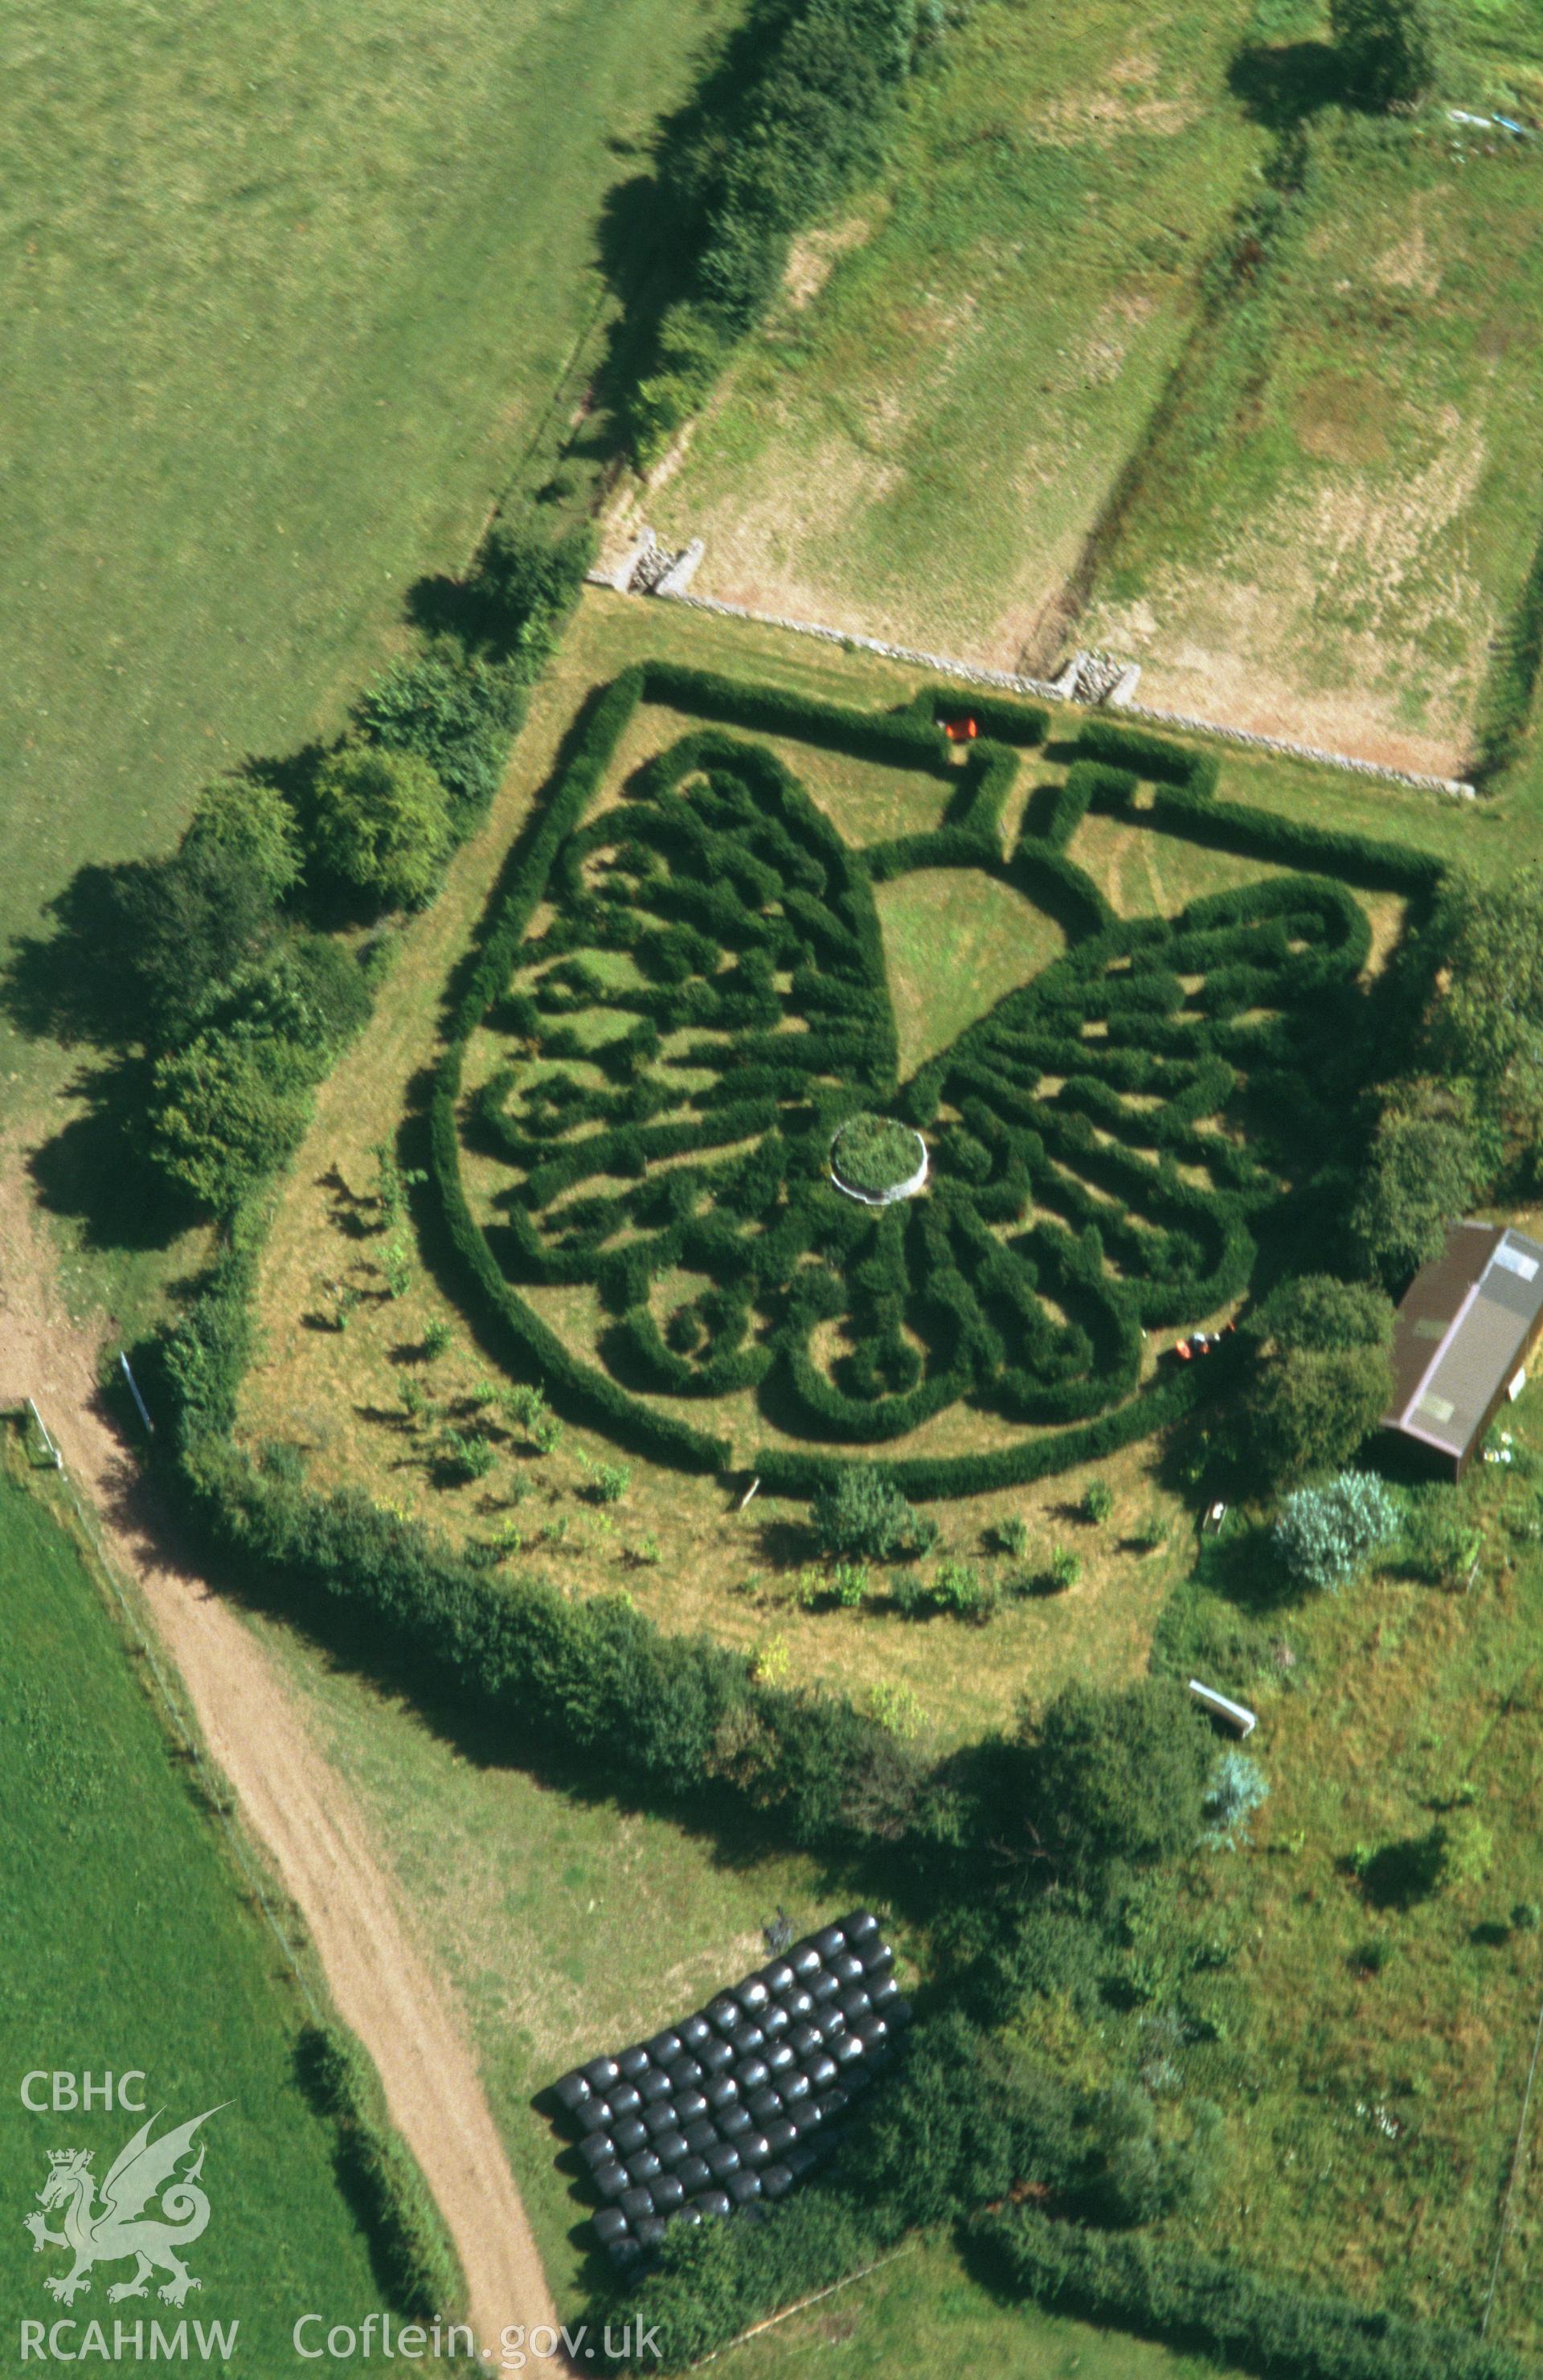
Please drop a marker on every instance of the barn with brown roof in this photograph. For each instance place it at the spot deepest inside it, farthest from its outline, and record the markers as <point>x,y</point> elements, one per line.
<point>1462,1339</point>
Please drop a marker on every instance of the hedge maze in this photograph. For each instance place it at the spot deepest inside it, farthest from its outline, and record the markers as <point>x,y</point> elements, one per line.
<point>688,992</point>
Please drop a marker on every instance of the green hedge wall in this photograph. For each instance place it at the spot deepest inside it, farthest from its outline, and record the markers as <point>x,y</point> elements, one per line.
<point>1279,2330</point>
<point>413,2254</point>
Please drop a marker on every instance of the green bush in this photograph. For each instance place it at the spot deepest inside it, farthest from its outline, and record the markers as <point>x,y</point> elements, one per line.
<point>1119,1773</point>
<point>458,711</point>
<point>1422,1173</point>
<point>380,825</point>
<point>1236,1789</point>
<point>861,1513</point>
<point>228,1109</point>
<point>875,1154</point>
<point>188,922</point>
<point>1320,1381</point>
<point>523,585</point>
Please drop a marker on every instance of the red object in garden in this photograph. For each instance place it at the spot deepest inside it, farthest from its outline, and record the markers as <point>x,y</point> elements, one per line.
<point>961,731</point>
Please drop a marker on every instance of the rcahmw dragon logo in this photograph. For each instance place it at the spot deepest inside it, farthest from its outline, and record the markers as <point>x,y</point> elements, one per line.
<point>119,2227</point>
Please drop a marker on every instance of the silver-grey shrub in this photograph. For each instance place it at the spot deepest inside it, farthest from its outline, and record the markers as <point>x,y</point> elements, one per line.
<point>1323,1536</point>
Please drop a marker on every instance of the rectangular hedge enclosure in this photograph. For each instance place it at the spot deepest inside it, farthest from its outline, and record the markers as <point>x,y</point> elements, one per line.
<point>680,996</point>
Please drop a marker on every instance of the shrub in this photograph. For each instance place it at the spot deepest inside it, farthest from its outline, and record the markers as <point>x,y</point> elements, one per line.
<point>457,710</point>
<point>1098,1502</point>
<point>1422,1171</point>
<point>1236,1789</point>
<point>1321,1380</point>
<point>875,1154</point>
<point>523,585</point>
<point>225,1111</point>
<point>1120,1772</point>
<point>243,824</point>
<point>380,824</point>
<point>895,1707</point>
<point>188,923</point>
<point>1323,1536</point>
<point>1488,935</point>
<point>1386,52</point>
<point>957,1587</point>
<point>861,1513</point>
<point>610,1482</point>
<point>1439,1544</point>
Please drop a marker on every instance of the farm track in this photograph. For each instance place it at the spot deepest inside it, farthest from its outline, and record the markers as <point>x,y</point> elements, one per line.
<point>298,1807</point>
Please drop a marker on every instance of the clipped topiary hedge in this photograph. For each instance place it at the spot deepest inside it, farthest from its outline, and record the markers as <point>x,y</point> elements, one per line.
<point>706,1005</point>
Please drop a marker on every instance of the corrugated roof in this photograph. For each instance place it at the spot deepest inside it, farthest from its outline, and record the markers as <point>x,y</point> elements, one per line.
<point>1462,1333</point>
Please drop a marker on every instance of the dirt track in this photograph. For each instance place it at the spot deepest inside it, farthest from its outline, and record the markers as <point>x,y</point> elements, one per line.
<point>298,1807</point>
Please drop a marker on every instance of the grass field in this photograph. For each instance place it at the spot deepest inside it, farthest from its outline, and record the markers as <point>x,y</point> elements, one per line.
<point>922,438</point>
<point>1379,2103</point>
<point>567,1927</point>
<point>130,1945</point>
<point>291,295</point>
<point>1338,509</point>
<point>991,413</point>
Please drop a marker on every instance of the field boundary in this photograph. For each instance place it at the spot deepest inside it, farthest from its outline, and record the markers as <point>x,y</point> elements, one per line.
<point>976,673</point>
<point>215,1790</point>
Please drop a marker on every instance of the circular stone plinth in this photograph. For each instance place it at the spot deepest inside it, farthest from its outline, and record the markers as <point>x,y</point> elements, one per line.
<point>877,1161</point>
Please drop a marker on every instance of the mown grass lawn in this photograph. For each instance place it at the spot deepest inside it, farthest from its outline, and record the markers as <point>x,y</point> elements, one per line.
<point>925,430</point>
<point>129,1945</point>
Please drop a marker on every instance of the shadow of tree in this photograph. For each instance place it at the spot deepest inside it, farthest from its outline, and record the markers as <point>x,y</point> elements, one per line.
<point>91,1169</point>
<point>1282,88</point>
<point>68,985</point>
<point>1405,1872</point>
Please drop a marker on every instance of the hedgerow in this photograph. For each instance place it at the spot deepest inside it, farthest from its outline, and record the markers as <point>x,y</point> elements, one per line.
<point>413,2254</point>
<point>796,108</point>
<point>1280,2330</point>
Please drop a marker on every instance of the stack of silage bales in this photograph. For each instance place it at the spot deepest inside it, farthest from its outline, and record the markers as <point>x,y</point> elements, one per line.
<point>739,2101</point>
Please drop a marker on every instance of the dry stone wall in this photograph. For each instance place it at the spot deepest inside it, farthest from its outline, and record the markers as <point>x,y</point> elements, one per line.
<point>651,570</point>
